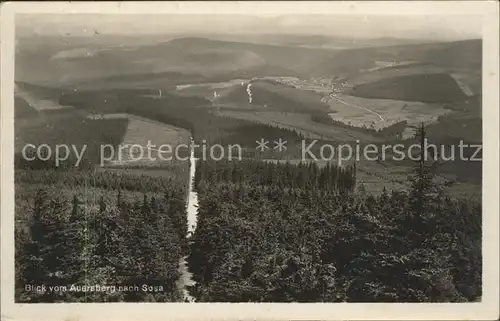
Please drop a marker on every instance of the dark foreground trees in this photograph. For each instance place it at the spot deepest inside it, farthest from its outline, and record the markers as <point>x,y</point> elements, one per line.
<point>258,244</point>
<point>268,241</point>
<point>131,247</point>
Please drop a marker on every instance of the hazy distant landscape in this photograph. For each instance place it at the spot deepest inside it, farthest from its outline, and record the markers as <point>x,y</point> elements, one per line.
<point>271,227</point>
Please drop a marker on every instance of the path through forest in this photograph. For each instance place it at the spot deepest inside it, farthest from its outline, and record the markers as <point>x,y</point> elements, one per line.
<point>186,278</point>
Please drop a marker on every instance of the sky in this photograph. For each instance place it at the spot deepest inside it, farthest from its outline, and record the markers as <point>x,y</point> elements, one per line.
<point>443,27</point>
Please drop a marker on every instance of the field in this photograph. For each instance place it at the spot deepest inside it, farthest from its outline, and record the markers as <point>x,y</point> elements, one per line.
<point>37,97</point>
<point>392,111</point>
<point>143,132</point>
<point>207,90</point>
<point>470,83</point>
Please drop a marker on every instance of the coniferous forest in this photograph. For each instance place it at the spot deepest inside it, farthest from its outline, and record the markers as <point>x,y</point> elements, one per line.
<point>301,234</point>
<point>266,232</point>
<point>131,236</point>
<point>260,244</point>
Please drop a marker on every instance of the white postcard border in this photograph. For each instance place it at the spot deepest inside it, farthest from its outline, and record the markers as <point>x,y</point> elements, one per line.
<point>488,309</point>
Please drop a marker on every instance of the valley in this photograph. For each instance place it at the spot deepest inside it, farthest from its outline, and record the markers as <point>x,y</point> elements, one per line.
<point>269,226</point>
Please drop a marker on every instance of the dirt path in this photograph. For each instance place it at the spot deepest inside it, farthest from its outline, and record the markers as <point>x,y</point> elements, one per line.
<point>192,209</point>
<point>186,278</point>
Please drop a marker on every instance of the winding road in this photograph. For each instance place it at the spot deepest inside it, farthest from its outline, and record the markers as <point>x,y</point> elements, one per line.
<point>332,96</point>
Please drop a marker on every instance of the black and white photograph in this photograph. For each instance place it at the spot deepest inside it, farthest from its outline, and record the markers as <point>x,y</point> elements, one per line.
<point>252,157</point>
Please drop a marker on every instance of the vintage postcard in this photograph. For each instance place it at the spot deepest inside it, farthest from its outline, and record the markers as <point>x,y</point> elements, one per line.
<point>250,160</point>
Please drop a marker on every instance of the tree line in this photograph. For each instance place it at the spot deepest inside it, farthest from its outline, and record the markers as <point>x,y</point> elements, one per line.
<point>280,174</point>
<point>107,180</point>
<point>393,131</point>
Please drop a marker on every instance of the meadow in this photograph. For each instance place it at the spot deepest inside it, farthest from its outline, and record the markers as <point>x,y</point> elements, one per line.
<point>142,131</point>
<point>392,111</point>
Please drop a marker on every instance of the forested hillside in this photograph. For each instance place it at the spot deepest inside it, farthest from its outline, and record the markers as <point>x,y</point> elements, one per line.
<point>275,174</point>
<point>68,129</point>
<point>267,241</point>
<point>102,229</point>
<point>431,88</point>
<point>186,112</point>
<point>266,232</point>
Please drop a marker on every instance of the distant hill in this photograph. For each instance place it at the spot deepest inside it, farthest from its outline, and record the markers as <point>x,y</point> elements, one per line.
<point>465,54</point>
<point>170,79</point>
<point>376,74</point>
<point>190,56</point>
<point>235,56</point>
<point>431,88</point>
<point>316,41</point>
<point>191,59</point>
